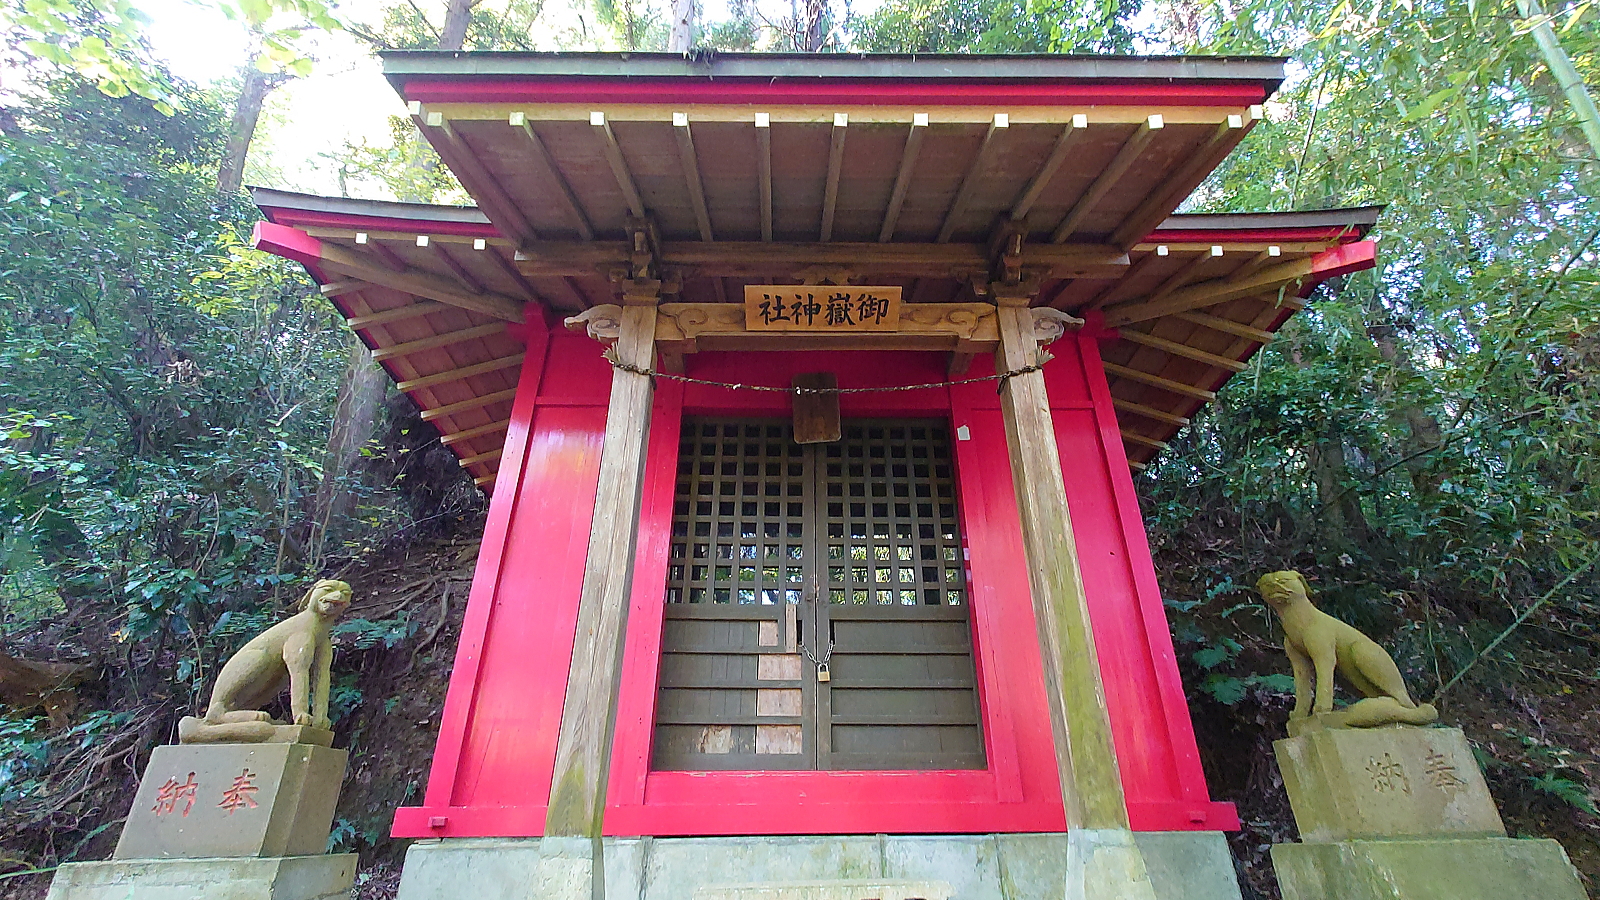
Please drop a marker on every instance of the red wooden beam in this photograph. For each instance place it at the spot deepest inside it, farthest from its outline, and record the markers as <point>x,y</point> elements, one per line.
<point>822,91</point>
<point>289,243</point>
<point>1340,260</point>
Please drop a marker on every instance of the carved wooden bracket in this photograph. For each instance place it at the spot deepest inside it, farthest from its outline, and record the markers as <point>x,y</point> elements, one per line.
<point>603,322</point>
<point>1049,324</point>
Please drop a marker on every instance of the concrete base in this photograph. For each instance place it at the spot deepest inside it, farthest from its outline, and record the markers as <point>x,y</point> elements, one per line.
<point>1181,865</point>
<point>1105,864</point>
<point>327,877</point>
<point>1481,869</point>
<point>838,889</point>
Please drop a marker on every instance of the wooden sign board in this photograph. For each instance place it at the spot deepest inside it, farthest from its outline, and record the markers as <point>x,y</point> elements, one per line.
<point>821,308</point>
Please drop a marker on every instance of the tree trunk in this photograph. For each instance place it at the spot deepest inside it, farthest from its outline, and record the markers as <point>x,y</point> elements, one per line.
<point>681,40</point>
<point>361,394</point>
<point>456,18</point>
<point>814,33</point>
<point>252,95</point>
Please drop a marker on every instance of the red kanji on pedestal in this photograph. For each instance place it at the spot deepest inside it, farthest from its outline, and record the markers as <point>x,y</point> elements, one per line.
<point>239,796</point>
<point>171,792</point>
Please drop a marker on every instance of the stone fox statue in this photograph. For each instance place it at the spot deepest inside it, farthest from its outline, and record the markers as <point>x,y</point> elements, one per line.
<point>297,653</point>
<point>1318,645</point>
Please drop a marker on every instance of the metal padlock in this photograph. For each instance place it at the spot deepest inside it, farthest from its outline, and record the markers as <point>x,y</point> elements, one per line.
<point>822,672</point>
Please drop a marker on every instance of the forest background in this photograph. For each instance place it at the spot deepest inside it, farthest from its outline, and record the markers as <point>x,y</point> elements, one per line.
<point>188,432</point>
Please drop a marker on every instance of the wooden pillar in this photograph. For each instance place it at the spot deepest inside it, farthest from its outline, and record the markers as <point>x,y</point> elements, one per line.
<point>588,718</point>
<point>1091,784</point>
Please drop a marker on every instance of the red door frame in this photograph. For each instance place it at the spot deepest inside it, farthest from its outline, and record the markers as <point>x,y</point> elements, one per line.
<point>1019,789</point>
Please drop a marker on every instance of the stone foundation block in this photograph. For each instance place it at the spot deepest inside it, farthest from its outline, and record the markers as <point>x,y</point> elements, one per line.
<point>1181,865</point>
<point>258,878</point>
<point>1465,869</point>
<point>199,801</point>
<point>845,889</point>
<point>1401,781</point>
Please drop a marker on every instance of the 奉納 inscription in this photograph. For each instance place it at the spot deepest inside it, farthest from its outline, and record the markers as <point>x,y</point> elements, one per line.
<point>1388,775</point>
<point>1441,772</point>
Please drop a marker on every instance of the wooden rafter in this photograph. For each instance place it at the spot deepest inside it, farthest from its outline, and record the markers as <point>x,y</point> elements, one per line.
<point>510,268</point>
<point>830,188</point>
<point>691,173</point>
<point>493,365</point>
<point>1181,277</point>
<point>422,284</point>
<point>1263,258</point>
<point>1108,177</point>
<point>1156,381</point>
<point>619,165</point>
<point>1227,326</point>
<point>450,409</point>
<point>335,288</point>
<point>969,181</point>
<point>398,314</point>
<point>1144,439</point>
<point>479,431</point>
<point>481,457</point>
<point>759,258</point>
<point>1041,179</point>
<point>764,171</point>
<point>1150,412</point>
<point>502,211</point>
<point>902,178</point>
<point>569,200</point>
<point>1119,290</point>
<point>1210,293</point>
<point>438,340</point>
<point>1160,203</point>
<point>386,253</point>
<point>467,279</point>
<point>1177,349</point>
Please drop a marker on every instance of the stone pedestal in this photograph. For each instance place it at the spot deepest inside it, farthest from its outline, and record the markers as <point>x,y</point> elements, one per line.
<point>225,800</point>
<point>1449,869</point>
<point>225,821</point>
<point>1403,813</point>
<point>325,877</point>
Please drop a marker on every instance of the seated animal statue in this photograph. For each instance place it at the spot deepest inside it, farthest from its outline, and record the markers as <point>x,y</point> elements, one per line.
<point>1318,645</point>
<point>296,653</point>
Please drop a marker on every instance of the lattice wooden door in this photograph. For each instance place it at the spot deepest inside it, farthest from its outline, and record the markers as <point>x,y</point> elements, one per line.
<point>817,613</point>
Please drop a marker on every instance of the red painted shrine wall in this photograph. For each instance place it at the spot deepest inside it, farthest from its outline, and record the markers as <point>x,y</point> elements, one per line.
<point>492,767</point>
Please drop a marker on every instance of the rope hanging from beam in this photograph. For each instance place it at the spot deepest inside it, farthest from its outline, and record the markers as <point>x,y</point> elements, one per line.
<point>1044,357</point>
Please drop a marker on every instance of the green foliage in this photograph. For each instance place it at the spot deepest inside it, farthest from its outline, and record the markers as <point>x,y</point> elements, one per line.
<point>997,26</point>
<point>1425,438</point>
<point>167,405</point>
<point>367,634</point>
<point>1573,793</point>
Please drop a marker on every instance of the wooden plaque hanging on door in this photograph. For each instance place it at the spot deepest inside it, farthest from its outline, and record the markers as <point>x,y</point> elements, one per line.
<point>816,416</point>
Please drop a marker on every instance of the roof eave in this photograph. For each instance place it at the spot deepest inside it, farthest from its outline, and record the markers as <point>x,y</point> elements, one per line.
<point>434,65</point>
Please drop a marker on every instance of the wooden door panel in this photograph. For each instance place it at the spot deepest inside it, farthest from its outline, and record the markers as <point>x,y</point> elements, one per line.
<point>789,556</point>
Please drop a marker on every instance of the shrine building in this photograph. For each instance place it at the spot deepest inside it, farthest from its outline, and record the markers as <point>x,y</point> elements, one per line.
<point>901,627</point>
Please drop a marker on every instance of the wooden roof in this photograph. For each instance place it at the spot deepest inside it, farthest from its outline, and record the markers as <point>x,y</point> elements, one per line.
<point>939,174</point>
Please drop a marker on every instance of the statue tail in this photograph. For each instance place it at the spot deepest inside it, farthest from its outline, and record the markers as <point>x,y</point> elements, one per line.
<point>1424,714</point>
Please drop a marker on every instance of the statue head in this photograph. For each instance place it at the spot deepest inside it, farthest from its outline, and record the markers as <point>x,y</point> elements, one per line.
<point>1281,589</point>
<point>327,598</point>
